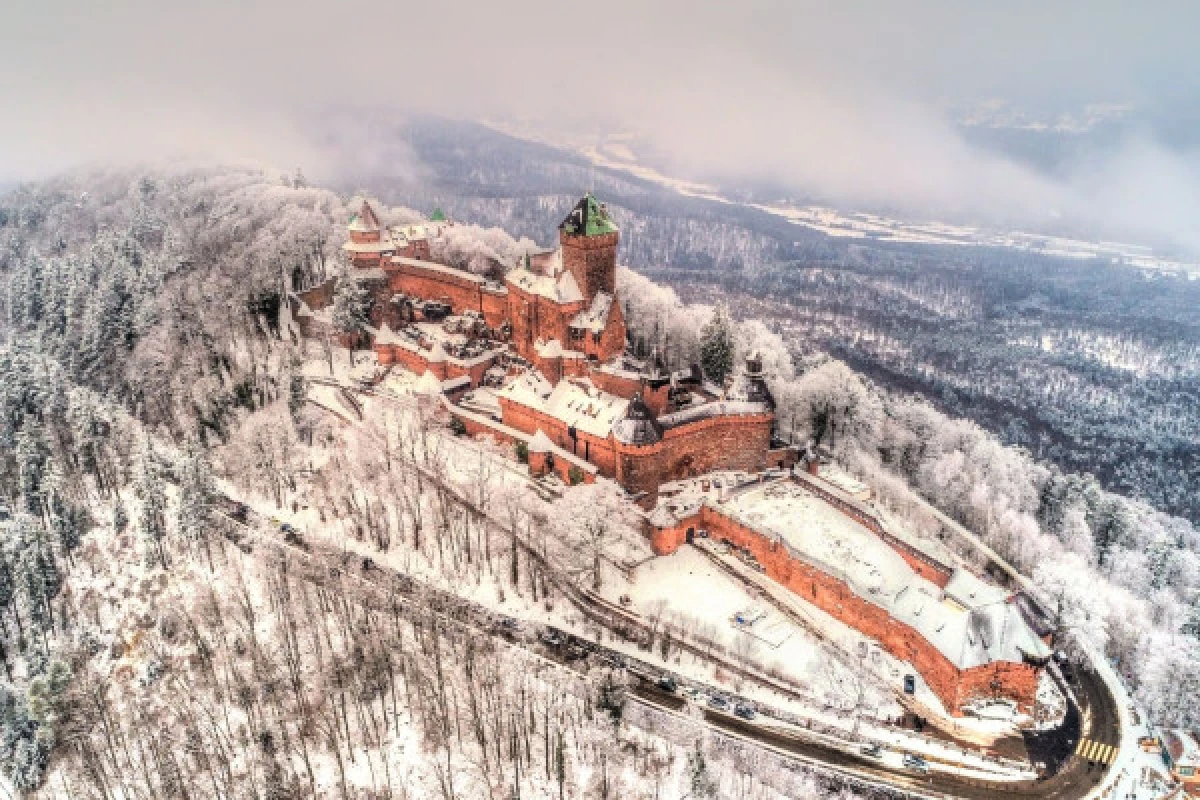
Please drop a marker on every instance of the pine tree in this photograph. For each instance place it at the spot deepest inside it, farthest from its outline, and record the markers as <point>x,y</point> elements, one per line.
<point>351,304</point>
<point>700,782</point>
<point>351,308</point>
<point>716,346</point>
<point>197,493</point>
<point>120,516</point>
<point>151,519</point>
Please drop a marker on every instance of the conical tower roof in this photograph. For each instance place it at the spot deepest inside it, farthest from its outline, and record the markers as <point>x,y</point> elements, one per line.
<point>365,219</point>
<point>638,426</point>
<point>589,217</point>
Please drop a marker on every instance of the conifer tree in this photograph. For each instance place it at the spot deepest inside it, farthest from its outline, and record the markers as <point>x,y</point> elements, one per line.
<point>151,518</point>
<point>351,306</point>
<point>197,493</point>
<point>716,346</point>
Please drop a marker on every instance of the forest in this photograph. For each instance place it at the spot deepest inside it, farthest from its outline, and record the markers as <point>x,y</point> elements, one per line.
<point>1089,365</point>
<point>148,368</point>
<point>154,647</point>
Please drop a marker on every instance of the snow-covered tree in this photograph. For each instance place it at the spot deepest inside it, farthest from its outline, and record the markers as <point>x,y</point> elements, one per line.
<point>717,346</point>
<point>152,505</point>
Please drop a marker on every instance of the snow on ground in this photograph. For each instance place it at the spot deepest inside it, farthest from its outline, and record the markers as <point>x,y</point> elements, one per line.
<point>688,589</point>
<point>683,584</point>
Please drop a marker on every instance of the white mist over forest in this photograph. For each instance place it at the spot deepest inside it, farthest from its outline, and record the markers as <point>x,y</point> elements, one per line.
<point>847,105</point>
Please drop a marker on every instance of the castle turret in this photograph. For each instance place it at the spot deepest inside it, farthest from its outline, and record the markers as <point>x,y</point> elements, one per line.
<point>589,247</point>
<point>364,226</point>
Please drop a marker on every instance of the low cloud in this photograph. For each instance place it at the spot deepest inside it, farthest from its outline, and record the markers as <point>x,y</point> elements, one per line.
<point>846,104</point>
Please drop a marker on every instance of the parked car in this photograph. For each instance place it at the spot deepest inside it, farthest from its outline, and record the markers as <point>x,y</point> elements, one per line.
<point>666,683</point>
<point>872,750</point>
<point>910,684</point>
<point>915,763</point>
<point>551,638</point>
<point>694,694</point>
<point>719,703</point>
<point>743,711</point>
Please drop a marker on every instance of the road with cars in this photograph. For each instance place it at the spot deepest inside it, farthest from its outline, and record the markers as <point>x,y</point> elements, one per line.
<point>1071,777</point>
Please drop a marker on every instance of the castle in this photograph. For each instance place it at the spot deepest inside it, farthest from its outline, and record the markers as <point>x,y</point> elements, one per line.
<point>539,360</point>
<point>543,358</point>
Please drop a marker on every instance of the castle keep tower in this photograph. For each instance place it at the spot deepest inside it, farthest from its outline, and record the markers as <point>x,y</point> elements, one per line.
<point>589,247</point>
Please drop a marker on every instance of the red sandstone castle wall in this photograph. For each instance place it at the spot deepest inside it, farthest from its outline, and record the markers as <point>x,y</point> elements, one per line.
<point>922,564</point>
<point>724,442</point>
<point>588,447</point>
<point>494,305</point>
<point>523,316</point>
<point>417,362</point>
<point>462,293</point>
<point>592,260</point>
<point>953,686</point>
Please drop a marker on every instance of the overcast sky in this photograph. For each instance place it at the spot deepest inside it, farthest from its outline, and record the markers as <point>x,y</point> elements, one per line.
<point>847,102</point>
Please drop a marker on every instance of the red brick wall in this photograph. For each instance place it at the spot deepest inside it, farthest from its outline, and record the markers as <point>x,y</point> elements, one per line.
<point>615,384</point>
<point>953,686</point>
<point>921,563</point>
<point>523,315</point>
<point>494,305</point>
<point>479,429</point>
<point>592,260</point>
<point>586,446</point>
<point>726,442</point>
<point>365,237</point>
<point>416,362</point>
<point>462,293</point>
<point>412,361</point>
<point>320,295</point>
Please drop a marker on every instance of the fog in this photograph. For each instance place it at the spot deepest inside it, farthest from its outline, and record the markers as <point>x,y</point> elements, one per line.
<point>848,104</point>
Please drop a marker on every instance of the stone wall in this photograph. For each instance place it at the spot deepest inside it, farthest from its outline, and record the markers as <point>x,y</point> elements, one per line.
<point>737,442</point>
<point>599,451</point>
<point>923,564</point>
<point>953,686</point>
<point>417,361</point>
<point>464,292</point>
<point>592,260</point>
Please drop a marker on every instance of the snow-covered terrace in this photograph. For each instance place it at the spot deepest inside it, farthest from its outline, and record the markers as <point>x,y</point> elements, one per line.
<point>560,288</point>
<point>577,403</point>
<point>971,623</point>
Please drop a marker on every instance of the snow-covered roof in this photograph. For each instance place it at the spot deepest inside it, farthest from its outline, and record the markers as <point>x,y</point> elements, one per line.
<point>970,591</point>
<point>385,335</point>
<point>637,426</point>
<point>585,408</point>
<point>568,289</point>
<point>530,388</point>
<point>550,349</point>
<point>540,443</point>
<point>365,219</point>
<point>428,384</point>
<point>661,517</point>
<point>414,231</point>
<point>596,317</point>
<point>382,246</point>
<point>437,353</point>
<point>986,628</point>
<point>560,289</point>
